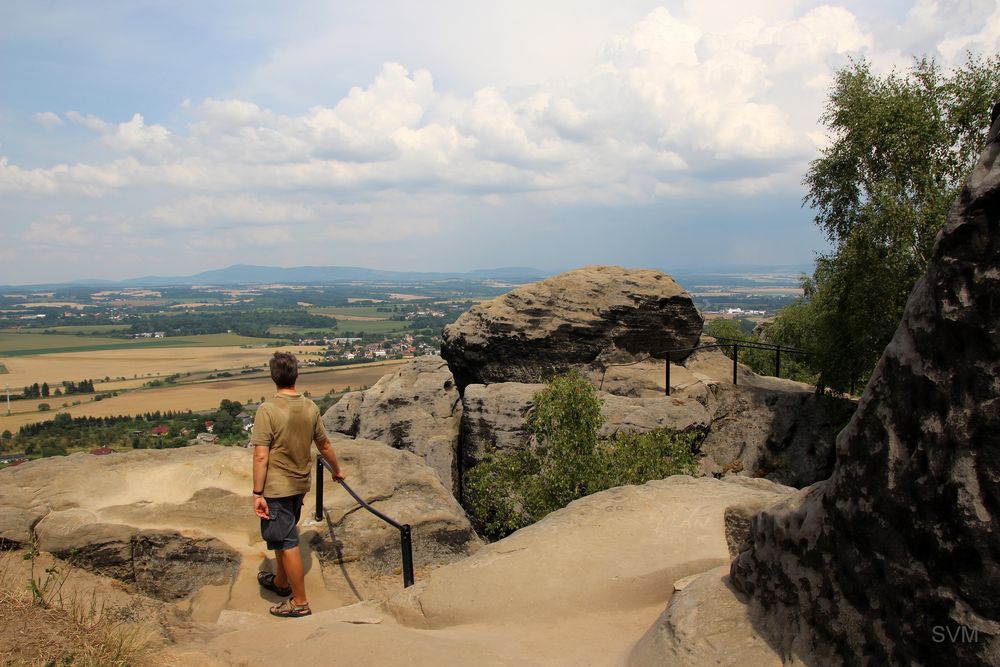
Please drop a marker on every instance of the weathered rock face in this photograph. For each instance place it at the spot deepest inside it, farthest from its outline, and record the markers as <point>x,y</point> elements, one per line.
<point>494,417</point>
<point>895,559</point>
<point>705,623</point>
<point>786,434</point>
<point>400,485</point>
<point>572,320</point>
<point>162,564</point>
<point>417,408</point>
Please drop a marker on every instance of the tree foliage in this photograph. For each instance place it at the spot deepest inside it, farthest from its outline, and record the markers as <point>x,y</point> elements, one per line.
<point>902,146</point>
<point>515,488</point>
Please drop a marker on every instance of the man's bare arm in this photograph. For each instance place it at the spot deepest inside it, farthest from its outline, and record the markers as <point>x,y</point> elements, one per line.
<point>326,451</point>
<point>261,455</point>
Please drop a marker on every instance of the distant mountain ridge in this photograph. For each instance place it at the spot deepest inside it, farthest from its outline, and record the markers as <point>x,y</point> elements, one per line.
<point>248,274</point>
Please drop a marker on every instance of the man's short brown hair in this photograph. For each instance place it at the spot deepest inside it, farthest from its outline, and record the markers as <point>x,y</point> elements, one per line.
<point>284,369</point>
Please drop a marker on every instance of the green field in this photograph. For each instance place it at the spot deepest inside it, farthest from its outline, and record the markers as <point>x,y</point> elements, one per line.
<point>20,344</point>
<point>356,311</point>
<point>370,326</point>
<point>93,328</point>
<point>298,331</point>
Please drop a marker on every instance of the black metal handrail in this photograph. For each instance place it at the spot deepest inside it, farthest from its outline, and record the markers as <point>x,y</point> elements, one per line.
<point>733,343</point>
<point>405,537</point>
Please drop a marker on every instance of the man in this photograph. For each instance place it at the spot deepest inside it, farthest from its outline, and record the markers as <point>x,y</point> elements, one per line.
<point>284,428</point>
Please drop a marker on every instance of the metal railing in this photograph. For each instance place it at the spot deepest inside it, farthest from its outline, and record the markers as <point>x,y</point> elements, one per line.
<point>726,343</point>
<point>405,538</point>
<point>736,344</point>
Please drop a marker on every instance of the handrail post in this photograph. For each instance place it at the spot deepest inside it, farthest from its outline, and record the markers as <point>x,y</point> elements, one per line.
<point>668,374</point>
<point>319,488</point>
<point>407,545</point>
<point>777,362</point>
<point>736,356</point>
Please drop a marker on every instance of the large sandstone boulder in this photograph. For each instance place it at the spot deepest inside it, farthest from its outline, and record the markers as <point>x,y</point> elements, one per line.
<point>579,319</point>
<point>417,408</point>
<point>400,485</point>
<point>894,559</point>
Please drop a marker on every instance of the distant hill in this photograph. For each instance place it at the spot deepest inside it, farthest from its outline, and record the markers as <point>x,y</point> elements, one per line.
<point>248,274</point>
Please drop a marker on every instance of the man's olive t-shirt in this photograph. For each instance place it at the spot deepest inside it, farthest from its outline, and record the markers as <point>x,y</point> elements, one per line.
<point>288,425</point>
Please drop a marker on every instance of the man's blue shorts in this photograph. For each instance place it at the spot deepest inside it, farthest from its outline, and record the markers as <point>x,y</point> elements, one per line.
<point>280,531</point>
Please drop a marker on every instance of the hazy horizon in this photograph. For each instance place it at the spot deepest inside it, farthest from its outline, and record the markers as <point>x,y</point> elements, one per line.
<point>144,139</point>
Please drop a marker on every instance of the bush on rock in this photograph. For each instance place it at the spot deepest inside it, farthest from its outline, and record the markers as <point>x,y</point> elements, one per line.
<point>515,488</point>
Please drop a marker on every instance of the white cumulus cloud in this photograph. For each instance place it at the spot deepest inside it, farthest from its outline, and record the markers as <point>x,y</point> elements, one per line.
<point>48,119</point>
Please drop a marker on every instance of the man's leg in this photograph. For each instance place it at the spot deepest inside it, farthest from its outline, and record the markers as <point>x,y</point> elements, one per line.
<point>280,578</point>
<point>289,571</point>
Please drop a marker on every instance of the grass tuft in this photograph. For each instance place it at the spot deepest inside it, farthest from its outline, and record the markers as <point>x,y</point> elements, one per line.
<point>41,625</point>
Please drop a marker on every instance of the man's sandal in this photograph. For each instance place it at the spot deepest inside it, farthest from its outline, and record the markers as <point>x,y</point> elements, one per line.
<point>266,580</point>
<point>289,609</point>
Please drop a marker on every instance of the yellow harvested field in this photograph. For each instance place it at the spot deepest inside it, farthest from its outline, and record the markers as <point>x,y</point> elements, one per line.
<point>136,363</point>
<point>207,395</point>
<point>358,318</point>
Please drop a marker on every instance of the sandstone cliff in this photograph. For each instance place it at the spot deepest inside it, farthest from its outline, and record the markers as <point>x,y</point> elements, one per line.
<point>895,559</point>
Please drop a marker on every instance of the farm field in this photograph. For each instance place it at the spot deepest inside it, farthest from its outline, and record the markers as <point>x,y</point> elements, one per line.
<point>205,395</point>
<point>17,344</point>
<point>375,327</point>
<point>351,312</point>
<point>136,363</point>
<point>91,328</point>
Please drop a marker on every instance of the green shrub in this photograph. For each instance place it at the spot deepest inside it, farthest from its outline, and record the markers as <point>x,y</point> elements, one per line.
<point>515,488</point>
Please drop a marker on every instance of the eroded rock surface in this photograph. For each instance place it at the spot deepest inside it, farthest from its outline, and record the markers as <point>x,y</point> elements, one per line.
<point>416,408</point>
<point>895,559</point>
<point>175,522</point>
<point>706,623</point>
<point>576,319</point>
<point>400,485</point>
<point>594,554</point>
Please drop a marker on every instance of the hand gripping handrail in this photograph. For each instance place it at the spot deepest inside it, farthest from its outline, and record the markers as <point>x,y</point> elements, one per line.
<point>405,539</point>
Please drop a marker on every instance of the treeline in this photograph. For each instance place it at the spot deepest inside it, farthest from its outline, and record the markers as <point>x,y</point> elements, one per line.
<point>63,421</point>
<point>65,433</point>
<point>68,387</point>
<point>252,323</point>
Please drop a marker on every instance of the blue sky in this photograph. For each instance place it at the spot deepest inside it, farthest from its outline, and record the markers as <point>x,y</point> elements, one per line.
<point>169,138</point>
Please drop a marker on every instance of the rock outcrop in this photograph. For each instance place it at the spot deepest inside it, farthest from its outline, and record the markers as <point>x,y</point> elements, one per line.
<point>494,417</point>
<point>580,587</point>
<point>577,319</point>
<point>417,408</point>
<point>705,623</point>
<point>173,522</point>
<point>163,564</point>
<point>895,559</point>
<point>401,486</point>
<point>592,554</point>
